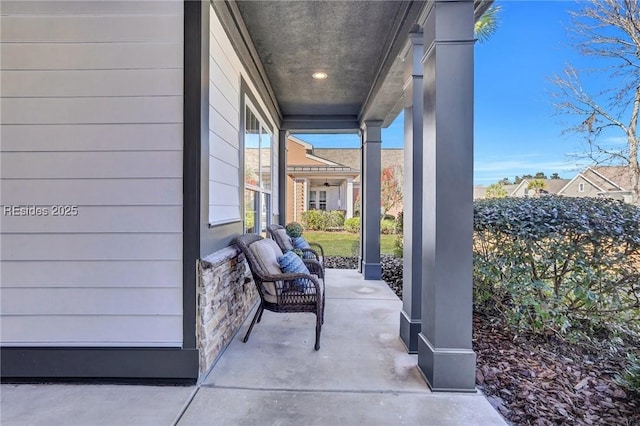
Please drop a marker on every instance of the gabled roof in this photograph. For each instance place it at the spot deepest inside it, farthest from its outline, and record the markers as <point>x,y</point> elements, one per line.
<point>605,178</point>
<point>351,156</point>
<point>619,176</point>
<point>551,186</point>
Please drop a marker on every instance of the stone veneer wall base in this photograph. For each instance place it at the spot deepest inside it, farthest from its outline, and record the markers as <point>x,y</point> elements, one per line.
<point>226,294</point>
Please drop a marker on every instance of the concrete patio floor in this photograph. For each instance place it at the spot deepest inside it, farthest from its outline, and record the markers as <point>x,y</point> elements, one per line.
<point>361,375</point>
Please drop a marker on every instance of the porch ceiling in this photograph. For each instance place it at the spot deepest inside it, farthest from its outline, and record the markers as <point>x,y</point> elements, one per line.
<point>358,44</point>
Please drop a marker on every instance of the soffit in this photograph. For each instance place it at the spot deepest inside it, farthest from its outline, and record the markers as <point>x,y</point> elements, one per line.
<point>357,43</point>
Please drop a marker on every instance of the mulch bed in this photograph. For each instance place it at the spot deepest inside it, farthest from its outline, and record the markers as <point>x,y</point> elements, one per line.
<point>534,380</point>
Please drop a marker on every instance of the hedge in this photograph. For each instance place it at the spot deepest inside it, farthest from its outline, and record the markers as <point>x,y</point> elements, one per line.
<point>555,264</point>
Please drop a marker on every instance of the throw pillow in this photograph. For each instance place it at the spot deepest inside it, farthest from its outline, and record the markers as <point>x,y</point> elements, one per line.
<point>290,263</point>
<point>300,243</point>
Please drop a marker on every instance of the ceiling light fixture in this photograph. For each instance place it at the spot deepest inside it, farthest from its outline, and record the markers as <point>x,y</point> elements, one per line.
<point>319,75</point>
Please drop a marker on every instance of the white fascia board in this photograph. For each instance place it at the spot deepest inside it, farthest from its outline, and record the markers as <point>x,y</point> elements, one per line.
<point>299,141</point>
<point>515,190</point>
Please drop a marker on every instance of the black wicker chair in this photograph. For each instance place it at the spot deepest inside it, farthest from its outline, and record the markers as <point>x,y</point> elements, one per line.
<point>279,234</point>
<point>280,292</point>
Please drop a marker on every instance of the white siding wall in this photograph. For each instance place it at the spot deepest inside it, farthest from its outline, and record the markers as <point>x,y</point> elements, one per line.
<point>91,99</point>
<point>225,72</point>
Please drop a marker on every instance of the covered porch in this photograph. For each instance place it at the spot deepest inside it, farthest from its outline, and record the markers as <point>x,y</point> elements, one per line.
<point>320,74</point>
<point>362,375</point>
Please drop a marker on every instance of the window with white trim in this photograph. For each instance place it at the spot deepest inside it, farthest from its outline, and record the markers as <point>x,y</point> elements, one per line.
<point>258,171</point>
<point>581,187</point>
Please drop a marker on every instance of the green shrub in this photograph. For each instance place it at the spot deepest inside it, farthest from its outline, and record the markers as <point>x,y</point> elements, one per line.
<point>387,227</point>
<point>336,219</point>
<point>315,220</point>
<point>400,223</point>
<point>249,220</point>
<point>552,264</point>
<point>388,217</point>
<point>630,378</point>
<point>322,220</point>
<point>352,225</point>
<point>398,244</point>
<point>294,229</point>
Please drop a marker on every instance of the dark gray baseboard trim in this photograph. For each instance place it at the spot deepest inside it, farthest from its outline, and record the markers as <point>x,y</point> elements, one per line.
<point>372,271</point>
<point>169,365</point>
<point>409,331</point>
<point>447,369</point>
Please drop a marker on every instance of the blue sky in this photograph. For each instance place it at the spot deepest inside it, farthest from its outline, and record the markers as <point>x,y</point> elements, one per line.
<point>516,129</point>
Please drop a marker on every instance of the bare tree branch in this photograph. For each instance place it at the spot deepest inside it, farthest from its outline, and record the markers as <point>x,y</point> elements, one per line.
<point>607,29</point>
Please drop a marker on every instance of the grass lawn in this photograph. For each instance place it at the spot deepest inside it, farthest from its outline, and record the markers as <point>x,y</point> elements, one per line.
<point>344,243</point>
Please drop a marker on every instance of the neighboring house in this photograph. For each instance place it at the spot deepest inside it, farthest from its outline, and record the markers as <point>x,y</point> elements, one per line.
<point>551,187</point>
<point>595,181</point>
<point>315,183</point>
<point>601,181</point>
<point>479,191</point>
<point>329,178</point>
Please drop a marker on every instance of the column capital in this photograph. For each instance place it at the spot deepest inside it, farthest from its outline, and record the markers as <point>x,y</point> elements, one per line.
<point>449,22</point>
<point>413,67</point>
<point>371,123</point>
<point>371,131</point>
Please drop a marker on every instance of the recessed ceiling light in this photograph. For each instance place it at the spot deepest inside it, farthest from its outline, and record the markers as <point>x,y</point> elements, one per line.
<point>319,75</point>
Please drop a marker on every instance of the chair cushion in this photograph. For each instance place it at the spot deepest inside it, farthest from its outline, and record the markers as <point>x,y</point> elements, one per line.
<point>267,252</point>
<point>284,239</point>
<point>290,263</point>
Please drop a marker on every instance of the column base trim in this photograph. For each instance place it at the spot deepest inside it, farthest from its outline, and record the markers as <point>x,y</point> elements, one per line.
<point>409,331</point>
<point>447,369</point>
<point>372,271</point>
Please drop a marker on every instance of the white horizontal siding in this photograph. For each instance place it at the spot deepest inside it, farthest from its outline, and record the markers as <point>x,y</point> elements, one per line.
<point>224,195</point>
<point>225,130</point>
<point>80,83</point>
<point>224,127</point>
<point>221,105</point>
<point>96,137</point>
<point>59,28</point>
<point>92,165</point>
<point>225,151</point>
<point>225,74</point>
<point>224,80</point>
<point>96,192</point>
<point>91,330</point>
<point>224,214</point>
<point>90,110</point>
<point>97,219</point>
<point>107,246</point>
<point>92,56</point>
<point>91,301</point>
<point>92,273</point>
<point>92,98</point>
<point>75,7</point>
<point>221,172</point>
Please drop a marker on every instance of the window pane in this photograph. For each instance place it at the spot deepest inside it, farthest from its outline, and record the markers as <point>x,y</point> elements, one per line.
<point>250,210</point>
<point>312,200</point>
<point>251,149</point>
<point>265,160</point>
<point>322,202</point>
<point>266,211</point>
